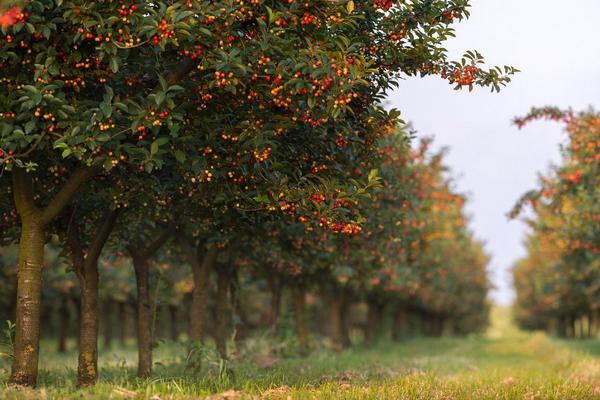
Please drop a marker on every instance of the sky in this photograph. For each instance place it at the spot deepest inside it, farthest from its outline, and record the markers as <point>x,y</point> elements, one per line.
<point>555,44</point>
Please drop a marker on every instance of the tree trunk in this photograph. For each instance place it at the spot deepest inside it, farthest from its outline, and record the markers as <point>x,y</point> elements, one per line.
<point>144,316</point>
<point>85,264</point>
<point>400,323</point>
<point>346,342</point>
<point>31,259</point>
<point>275,301</point>
<point>87,370</point>
<point>595,322</point>
<point>122,325</point>
<point>199,308</point>
<point>300,315</point>
<point>223,317</point>
<point>563,326</point>
<point>336,323</point>
<point>373,322</point>
<point>29,286</point>
<point>174,322</point>
<point>108,323</point>
<point>63,324</point>
<point>241,324</point>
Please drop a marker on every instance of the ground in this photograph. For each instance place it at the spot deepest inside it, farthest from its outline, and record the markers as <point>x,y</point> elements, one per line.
<point>503,364</point>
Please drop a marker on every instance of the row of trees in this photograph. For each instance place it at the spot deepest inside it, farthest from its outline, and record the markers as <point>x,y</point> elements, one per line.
<point>251,132</point>
<point>558,282</point>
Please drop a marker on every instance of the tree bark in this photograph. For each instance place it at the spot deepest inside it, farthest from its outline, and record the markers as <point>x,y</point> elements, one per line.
<point>144,324</point>
<point>400,323</point>
<point>241,324</point>
<point>223,315</point>
<point>275,301</point>
<point>144,316</point>
<point>87,369</point>
<point>63,324</point>
<point>109,320</point>
<point>201,267</point>
<point>85,264</point>
<point>31,258</point>
<point>174,322</point>
<point>346,342</point>
<point>299,295</point>
<point>374,312</point>
<point>122,325</point>
<point>29,288</point>
<point>336,323</point>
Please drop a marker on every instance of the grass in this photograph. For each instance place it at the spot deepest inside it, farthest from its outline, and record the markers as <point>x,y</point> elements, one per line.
<point>503,364</point>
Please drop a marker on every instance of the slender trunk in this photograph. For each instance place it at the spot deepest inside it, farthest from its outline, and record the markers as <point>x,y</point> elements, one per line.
<point>174,322</point>
<point>63,324</point>
<point>336,323</point>
<point>241,325</point>
<point>144,316</point>
<point>595,322</point>
<point>222,321</point>
<point>400,323</point>
<point>199,308</point>
<point>275,301</point>
<point>85,264</point>
<point>300,315</point>
<point>373,322</point>
<point>29,286</point>
<point>346,342</point>
<point>563,326</point>
<point>87,370</point>
<point>122,325</point>
<point>108,323</point>
<point>31,258</point>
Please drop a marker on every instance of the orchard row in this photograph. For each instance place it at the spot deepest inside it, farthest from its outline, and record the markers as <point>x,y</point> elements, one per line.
<point>251,132</point>
<point>558,282</point>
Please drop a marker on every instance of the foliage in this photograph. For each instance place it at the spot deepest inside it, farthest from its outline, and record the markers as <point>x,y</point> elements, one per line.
<point>559,279</point>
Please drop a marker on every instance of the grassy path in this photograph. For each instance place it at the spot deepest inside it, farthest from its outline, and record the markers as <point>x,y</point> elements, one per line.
<point>505,364</point>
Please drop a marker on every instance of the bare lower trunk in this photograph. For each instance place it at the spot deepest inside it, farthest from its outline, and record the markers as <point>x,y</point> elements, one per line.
<point>87,370</point>
<point>223,317</point>
<point>109,321</point>
<point>63,324</point>
<point>275,301</point>
<point>300,316</point>
<point>144,316</point>
<point>174,322</point>
<point>241,324</point>
<point>29,285</point>
<point>199,308</point>
<point>373,322</point>
<point>31,258</point>
<point>336,323</point>
<point>346,342</point>
<point>400,323</point>
<point>122,324</point>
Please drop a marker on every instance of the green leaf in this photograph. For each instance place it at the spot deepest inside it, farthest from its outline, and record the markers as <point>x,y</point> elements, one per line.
<point>180,156</point>
<point>154,148</point>
<point>29,126</point>
<point>114,64</point>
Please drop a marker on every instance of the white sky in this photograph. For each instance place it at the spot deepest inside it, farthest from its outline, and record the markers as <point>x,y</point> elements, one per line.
<point>556,45</point>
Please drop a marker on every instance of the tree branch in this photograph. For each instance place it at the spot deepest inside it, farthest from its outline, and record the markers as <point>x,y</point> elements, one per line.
<point>158,242</point>
<point>76,249</point>
<point>182,70</point>
<point>23,193</point>
<point>62,198</point>
<point>102,235</point>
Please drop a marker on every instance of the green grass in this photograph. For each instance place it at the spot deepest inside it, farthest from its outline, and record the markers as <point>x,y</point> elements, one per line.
<point>503,364</point>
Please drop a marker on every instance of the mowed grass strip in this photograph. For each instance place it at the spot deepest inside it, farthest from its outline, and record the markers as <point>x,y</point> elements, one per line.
<point>504,364</point>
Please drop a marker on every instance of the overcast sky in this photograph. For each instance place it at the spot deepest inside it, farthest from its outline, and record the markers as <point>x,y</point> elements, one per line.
<point>556,45</point>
